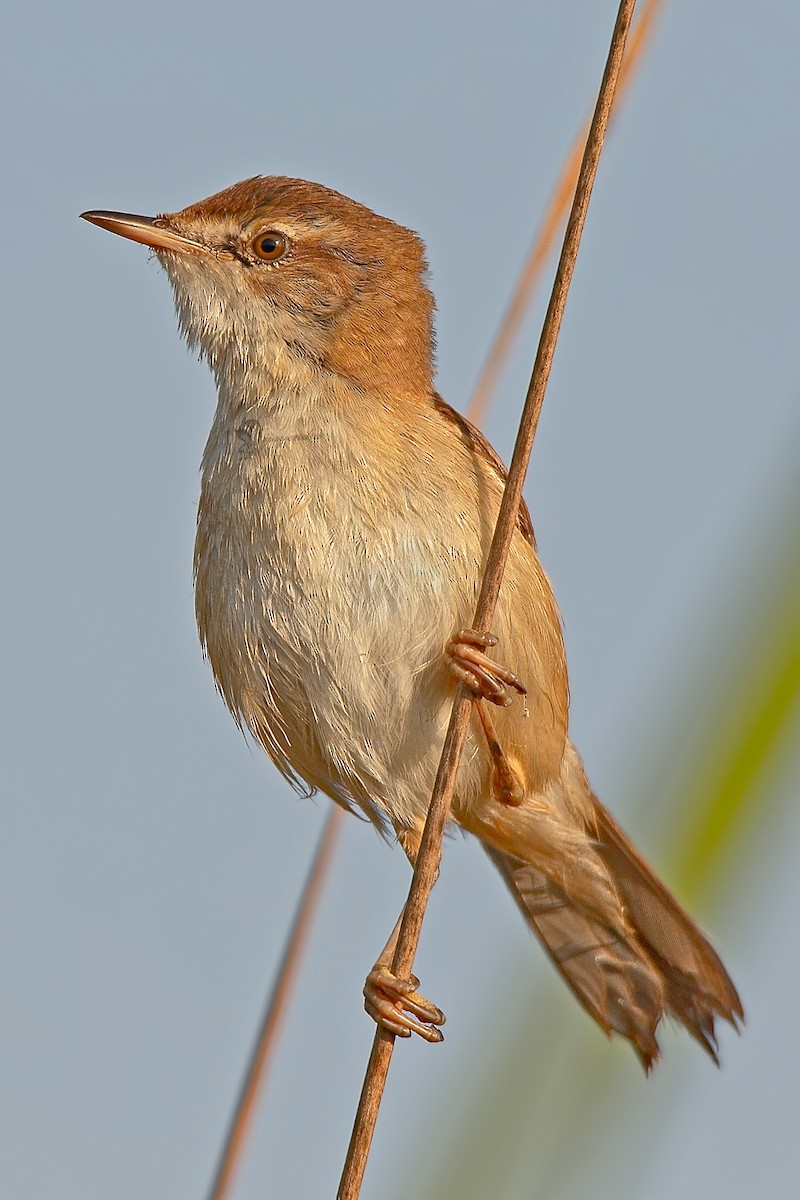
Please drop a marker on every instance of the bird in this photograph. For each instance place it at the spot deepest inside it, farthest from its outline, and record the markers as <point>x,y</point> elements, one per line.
<point>343,526</point>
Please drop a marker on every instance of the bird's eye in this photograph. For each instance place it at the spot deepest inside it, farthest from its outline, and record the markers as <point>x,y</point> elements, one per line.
<point>269,247</point>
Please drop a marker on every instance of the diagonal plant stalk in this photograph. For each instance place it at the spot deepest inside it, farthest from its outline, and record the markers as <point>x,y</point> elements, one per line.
<point>308,902</point>
<point>556,211</point>
<point>427,863</point>
<point>500,349</point>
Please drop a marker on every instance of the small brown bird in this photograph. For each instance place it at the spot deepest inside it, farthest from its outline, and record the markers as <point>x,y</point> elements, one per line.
<point>345,519</point>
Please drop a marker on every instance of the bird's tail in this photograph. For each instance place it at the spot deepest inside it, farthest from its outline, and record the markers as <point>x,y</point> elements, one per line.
<point>626,978</point>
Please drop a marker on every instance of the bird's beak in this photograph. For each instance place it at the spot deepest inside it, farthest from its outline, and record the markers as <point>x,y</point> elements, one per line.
<point>151,231</point>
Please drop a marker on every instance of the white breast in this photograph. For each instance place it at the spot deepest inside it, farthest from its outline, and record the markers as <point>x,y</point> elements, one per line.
<point>325,600</point>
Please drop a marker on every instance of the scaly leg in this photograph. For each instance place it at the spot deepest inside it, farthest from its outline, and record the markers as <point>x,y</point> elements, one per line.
<point>466,657</point>
<point>505,785</point>
<point>395,1003</point>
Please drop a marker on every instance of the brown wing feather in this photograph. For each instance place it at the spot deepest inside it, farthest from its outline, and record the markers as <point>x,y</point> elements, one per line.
<point>482,449</point>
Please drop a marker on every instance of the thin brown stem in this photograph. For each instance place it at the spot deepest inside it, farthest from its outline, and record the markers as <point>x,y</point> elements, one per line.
<point>430,849</point>
<point>276,1007</point>
<point>514,315</point>
<point>485,386</point>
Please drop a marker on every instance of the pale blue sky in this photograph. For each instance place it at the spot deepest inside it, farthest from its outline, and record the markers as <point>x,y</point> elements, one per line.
<point>150,860</point>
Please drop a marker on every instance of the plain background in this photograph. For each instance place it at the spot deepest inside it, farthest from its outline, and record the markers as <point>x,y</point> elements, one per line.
<point>150,860</point>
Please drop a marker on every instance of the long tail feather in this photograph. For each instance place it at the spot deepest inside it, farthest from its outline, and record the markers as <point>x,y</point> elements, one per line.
<point>610,976</point>
<point>698,988</point>
<point>627,980</point>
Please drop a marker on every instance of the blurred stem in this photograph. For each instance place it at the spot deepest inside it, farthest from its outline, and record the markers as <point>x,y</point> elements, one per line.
<point>549,228</point>
<point>275,1011</point>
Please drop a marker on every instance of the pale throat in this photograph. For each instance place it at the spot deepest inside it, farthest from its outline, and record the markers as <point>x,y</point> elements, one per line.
<point>263,359</point>
<point>276,384</point>
<point>281,416</point>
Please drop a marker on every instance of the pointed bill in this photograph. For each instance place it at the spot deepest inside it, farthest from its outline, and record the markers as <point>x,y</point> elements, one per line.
<point>150,231</point>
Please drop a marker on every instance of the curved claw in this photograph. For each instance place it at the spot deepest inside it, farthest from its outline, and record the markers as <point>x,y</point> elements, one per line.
<point>465,654</point>
<point>397,1005</point>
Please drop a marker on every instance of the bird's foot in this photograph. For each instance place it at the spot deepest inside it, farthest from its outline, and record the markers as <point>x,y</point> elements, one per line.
<point>397,1005</point>
<point>465,655</point>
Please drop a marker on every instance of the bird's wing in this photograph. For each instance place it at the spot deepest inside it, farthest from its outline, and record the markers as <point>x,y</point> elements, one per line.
<point>483,450</point>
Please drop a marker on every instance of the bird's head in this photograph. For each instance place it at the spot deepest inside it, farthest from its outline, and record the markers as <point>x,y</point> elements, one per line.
<point>274,271</point>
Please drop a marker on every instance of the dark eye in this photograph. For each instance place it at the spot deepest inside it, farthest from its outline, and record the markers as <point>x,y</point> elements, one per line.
<point>269,247</point>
